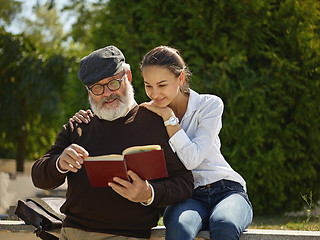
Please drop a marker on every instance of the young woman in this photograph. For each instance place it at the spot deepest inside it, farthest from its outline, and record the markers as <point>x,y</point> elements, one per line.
<point>193,122</point>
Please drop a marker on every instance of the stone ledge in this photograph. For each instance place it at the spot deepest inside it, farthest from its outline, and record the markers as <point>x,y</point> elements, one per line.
<point>255,234</point>
<point>15,226</point>
<point>158,233</point>
<point>266,234</point>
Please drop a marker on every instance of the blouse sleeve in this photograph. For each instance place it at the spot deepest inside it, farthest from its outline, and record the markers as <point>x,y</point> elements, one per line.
<point>205,126</point>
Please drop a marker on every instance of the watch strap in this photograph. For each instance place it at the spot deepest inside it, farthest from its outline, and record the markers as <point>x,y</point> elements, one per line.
<point>166,123</point>
<point>169,121</point>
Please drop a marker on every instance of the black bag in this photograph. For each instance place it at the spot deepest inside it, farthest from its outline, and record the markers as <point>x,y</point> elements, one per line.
<point>42,213</point>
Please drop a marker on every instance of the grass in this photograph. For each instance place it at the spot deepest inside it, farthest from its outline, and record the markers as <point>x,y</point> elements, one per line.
<point>286,223</point>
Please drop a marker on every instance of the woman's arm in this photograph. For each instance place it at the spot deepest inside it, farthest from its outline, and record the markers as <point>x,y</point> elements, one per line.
<point>202,138</point>
<point>165,113</point>
<point>203,131</point>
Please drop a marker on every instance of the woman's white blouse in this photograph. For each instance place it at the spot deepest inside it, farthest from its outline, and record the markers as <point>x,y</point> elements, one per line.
<point>197,144</point>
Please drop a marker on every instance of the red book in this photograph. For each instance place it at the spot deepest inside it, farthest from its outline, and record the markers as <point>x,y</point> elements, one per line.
<point>147,162</point>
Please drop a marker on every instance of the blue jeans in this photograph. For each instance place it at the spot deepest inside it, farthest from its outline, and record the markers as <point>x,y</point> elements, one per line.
<point>223,208</point>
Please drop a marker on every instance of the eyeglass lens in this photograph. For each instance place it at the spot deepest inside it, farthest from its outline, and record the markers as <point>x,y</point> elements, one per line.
<point>113,85</point>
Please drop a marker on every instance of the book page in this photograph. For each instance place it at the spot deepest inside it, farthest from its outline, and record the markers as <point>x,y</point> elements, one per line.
<point>111,157</point>
<point>137,149</point>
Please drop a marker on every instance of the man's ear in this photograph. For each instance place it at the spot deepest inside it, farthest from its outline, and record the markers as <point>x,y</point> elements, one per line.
<point>129,75</point>
<point>87,88</point>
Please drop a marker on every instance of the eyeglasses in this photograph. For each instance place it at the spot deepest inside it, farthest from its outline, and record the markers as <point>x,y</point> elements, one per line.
<point>112,85</point>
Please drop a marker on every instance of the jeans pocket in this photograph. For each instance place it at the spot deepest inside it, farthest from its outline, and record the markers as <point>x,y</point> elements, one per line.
<point>239,190</point>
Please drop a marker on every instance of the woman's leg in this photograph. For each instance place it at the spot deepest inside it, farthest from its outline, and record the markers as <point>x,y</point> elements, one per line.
<point>230,217</point>
<point>183,221</point>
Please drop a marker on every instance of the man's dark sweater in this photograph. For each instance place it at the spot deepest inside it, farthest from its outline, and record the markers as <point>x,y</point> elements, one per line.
<point>102,209</point>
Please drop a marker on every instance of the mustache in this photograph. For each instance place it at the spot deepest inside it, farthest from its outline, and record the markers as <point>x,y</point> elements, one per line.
<point>110,98</point>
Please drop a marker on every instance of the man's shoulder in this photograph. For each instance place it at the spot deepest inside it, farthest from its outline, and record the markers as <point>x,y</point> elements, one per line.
<point>147,117</point>
<point>147,113</point>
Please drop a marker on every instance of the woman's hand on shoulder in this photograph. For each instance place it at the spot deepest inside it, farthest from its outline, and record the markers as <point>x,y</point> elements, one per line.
<point>164,112</point>
<point>82,116</point>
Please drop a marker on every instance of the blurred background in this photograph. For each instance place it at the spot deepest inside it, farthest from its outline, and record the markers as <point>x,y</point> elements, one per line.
<point>262,57</point>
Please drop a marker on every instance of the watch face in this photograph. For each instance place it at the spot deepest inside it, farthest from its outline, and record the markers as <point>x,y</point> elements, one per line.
<point>173,120</point>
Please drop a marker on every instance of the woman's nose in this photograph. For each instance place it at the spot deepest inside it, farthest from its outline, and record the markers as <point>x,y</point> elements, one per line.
<point>154,93</point>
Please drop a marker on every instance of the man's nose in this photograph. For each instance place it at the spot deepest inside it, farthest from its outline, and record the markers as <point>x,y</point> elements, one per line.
<point>107,92</point>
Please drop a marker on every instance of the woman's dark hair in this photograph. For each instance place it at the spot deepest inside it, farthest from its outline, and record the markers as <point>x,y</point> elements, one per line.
<point>170,58</point>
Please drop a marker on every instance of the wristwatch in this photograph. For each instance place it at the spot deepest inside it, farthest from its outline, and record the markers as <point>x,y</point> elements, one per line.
<point>173,120</point>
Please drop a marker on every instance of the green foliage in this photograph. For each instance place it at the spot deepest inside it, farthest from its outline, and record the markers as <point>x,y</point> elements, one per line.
<point>31,84</point>
<point>8,10</point>
<point>75,95</point>
<point>260,56</point>
<point>274,115</point>
<point>45,29</point>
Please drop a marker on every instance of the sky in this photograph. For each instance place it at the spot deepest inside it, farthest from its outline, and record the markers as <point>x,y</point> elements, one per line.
<point>27,5</point>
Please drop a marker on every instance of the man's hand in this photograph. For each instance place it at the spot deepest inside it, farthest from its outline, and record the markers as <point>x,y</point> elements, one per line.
<point>72,158</point>
<point>136,191</point>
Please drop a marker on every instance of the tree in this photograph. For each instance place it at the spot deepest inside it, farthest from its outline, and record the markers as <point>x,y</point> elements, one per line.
<point>31,88</point>
<point>45,29</point>
<point>261,57</point>
<point>38,62</point>
<point>8,11</point>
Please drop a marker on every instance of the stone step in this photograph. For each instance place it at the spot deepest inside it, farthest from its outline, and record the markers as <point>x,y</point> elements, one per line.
<point>19,230</point>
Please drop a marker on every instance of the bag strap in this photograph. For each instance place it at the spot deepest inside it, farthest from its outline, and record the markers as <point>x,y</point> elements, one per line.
<point>45,235</point>
<point>52,206</point>
<point>44,214</point>
<point>48,203</point>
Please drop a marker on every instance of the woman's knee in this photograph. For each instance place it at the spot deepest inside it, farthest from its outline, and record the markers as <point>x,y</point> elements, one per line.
<point>182,222</point>
<point>230,217</point>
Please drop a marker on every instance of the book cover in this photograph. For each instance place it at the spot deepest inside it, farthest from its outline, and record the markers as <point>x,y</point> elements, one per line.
<point>147,162</point>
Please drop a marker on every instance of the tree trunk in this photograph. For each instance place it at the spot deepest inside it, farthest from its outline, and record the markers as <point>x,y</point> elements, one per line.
<point>21,149</point>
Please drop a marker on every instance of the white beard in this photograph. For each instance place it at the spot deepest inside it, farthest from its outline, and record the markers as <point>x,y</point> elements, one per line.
<point>115,111</point>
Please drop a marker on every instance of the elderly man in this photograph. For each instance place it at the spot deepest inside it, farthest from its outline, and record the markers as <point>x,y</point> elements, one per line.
<point>125,209</point>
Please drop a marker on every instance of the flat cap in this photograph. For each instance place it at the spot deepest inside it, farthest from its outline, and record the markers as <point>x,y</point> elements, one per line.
<point>102,63</point>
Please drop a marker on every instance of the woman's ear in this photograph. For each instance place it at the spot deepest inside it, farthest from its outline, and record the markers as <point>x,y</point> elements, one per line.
<point>129,75</point>
<point>181,78</point>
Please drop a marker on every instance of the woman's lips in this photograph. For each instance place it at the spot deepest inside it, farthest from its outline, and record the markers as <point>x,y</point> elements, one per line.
<point>158,101</point>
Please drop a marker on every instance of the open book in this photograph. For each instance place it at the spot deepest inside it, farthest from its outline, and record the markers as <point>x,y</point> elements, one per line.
<point>147,162</point>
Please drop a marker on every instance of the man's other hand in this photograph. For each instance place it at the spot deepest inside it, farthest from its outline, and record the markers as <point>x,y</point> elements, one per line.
<point>136,191</point>
<point>72,157</point>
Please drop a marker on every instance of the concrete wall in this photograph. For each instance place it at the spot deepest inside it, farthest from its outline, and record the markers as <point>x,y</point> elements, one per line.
<point>15,186</point>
